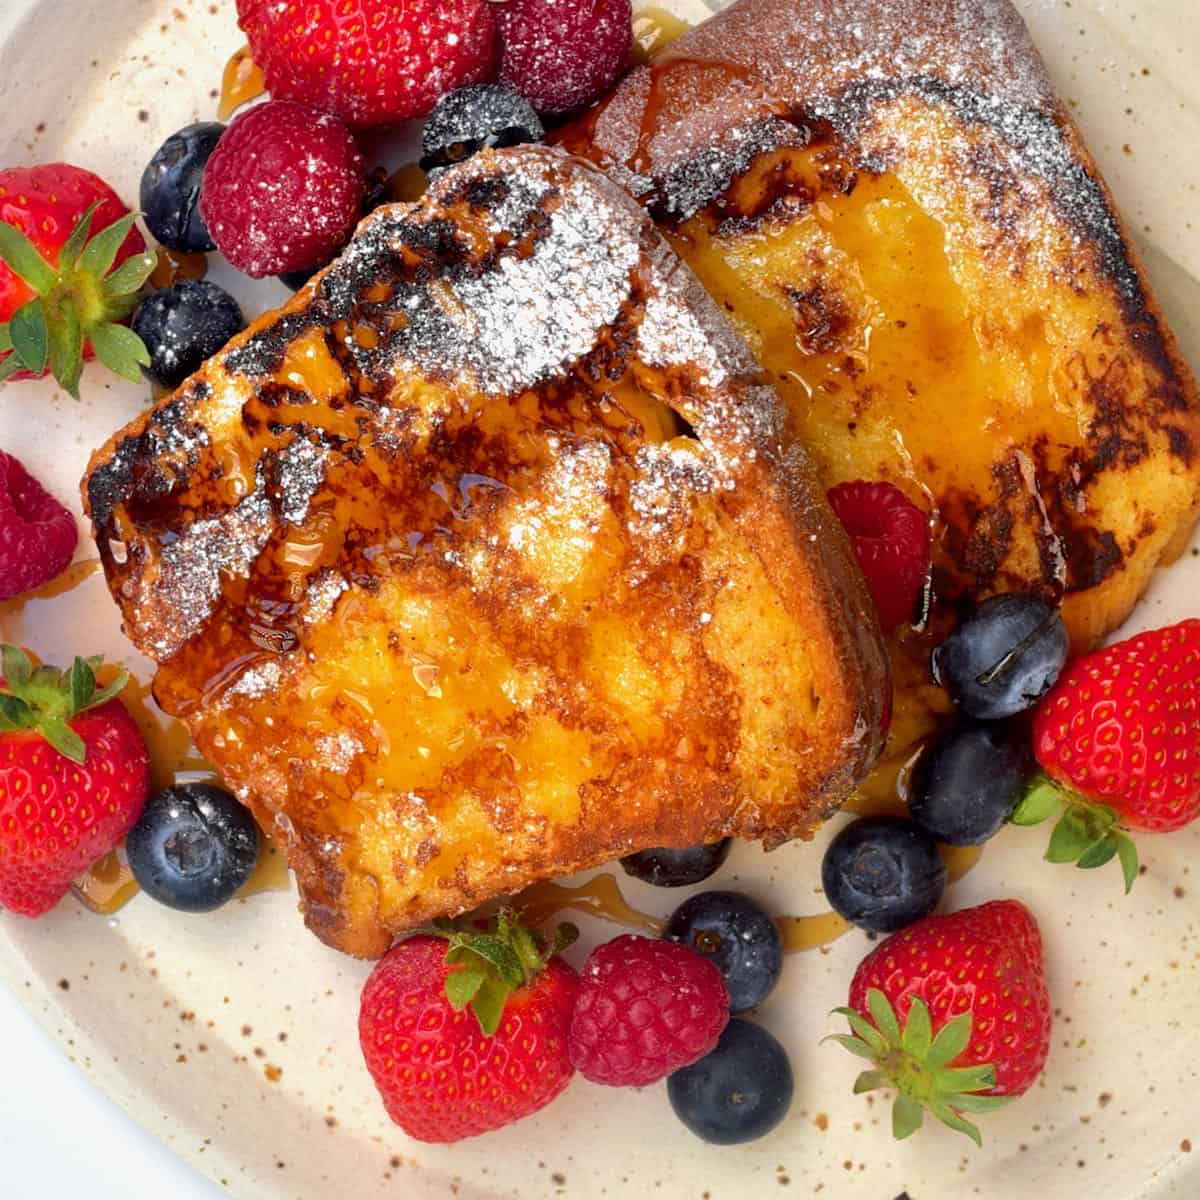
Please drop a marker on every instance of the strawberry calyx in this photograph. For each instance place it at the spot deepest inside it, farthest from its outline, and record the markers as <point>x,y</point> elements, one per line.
<point>495,960</point>
<point>44,699</point>
<point>1085,833</point>
<point>918,1065</point>
<point>79,299</point>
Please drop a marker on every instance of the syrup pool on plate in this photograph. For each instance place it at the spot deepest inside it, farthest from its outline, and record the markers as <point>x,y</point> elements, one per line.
<point>241,82</point>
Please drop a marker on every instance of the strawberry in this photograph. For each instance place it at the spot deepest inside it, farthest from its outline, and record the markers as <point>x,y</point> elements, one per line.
<point>373,62</point>
<point>1118,738</point>
<point>74,776</point>
<point>953,1013</point>
<point>468,1034</point>
<point>62,290</point>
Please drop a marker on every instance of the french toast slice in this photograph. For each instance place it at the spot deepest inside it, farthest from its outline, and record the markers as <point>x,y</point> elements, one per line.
<point>484,560</point>
<point>900,218</point>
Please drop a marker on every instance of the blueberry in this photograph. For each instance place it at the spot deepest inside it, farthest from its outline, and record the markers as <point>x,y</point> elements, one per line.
<point>183,325</point>
<point>737,1093</point>
<point>467,120</point>
<point>193,847</point>
<point>882,873</point>
<point>664,867</point>
<point>170,193</point>
<point>735,934</point>
<point>1004,657</point>
<point>297,279</point>
<point>967,783</point>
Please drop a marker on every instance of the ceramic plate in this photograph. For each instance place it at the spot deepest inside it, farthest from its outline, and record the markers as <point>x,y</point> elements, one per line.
<point>234,1038</point>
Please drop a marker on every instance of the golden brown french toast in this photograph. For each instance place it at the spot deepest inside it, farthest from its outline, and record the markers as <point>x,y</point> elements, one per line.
<point>484,560</point>
<point>901,220</point>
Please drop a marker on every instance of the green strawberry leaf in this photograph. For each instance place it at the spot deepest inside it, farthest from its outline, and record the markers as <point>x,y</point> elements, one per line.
<point>105,694</point>
<point>495,951</point>
<point>907,1117</point>
<point>5,338</point>
<point>967,1079</point>
<point>22,257</point>
<point>865,1030</point>
<point>29,334</point>
<point>15,666</point>
<point>949,1117</point>
<point>14,712</point>
<point>488,1005</point>
<point>1102,852</point>
<point>64,739</point>
<point>918,1031</point>
<point>950,1042</point>
<point>66,349</point>
<point>68,256</point>
<point>853,1044</point>
<point>968,1102</point>
<point>83,685</point>
<point>120,350</point>
<point>9,366</point>
<point>1081,827</point>
<point>127,280</point>
<point>1042,801</point>
<point>868,1081</point>
<point>99,254</point>
<point>462,985</point>
<point>1127,853</point>
<point>884,1016</point>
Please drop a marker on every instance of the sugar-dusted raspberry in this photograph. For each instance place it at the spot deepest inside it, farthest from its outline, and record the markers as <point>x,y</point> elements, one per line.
<point>645,1008</point>
<point>283,189</point>
<point>37,535</point>
<point>561,55</point>
<point>892,542</point>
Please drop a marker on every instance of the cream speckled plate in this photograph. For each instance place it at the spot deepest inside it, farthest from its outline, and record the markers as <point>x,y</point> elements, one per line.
<point>234,1036</point>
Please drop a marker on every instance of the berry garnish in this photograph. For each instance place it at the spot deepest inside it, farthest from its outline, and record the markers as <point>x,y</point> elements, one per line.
<point>170,191</point>
<point>37,534</point>
<point>891,541</point>
<point>968,782</point>
<point>739,1092</point>
<point>283,189</point>
<point>664,867</point>
<point>193,847</point>
<point>465,121</point>
<point>74,773</point>
<point>1117,740</point>
<point>645,1008</point>
<point>738,936</point>
<point>71,267</point>
<point>468,1034</point>
<point>373,62</point>
<point>183,325</point>
<point>953,1013</point>
<point>882,873</point>
<point>561,55</point>
<point>1004,657</point>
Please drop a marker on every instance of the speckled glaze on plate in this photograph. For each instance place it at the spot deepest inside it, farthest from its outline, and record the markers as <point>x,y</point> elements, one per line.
<point>233,1037</point>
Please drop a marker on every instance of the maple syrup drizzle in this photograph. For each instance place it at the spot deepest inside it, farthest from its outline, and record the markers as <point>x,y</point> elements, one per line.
<point>174,265</point>
<point>654,29</point>
<point>241,82</point>
<point>407,183</point>
<point>600,897</point>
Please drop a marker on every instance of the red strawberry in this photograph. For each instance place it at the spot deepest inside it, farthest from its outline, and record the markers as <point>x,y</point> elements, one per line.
<point>1119,737</point>
<point>471,1035</point>
<point>373,62</point>
<point>62,291</point>
<point>283,189</point>
<point>892,543</point>
<point>37,535</point>
<point>645,1008</point>
<point>561,55</point>
<point>953,1013</point>
<point>74,775</point>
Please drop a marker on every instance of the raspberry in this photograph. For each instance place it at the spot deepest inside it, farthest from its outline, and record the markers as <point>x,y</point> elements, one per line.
<point>561,55</point>
<point>373,62</point>
<point>645,1008</point>
<point>283,189</point>
<point>37,535</point>
<point>892,542</point>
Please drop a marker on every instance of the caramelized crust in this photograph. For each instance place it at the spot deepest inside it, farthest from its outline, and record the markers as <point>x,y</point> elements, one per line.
<point>485,560</point>
<point>901,220</point>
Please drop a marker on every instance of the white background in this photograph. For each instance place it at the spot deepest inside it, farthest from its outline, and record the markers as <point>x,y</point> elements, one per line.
<point>61,1137</point>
